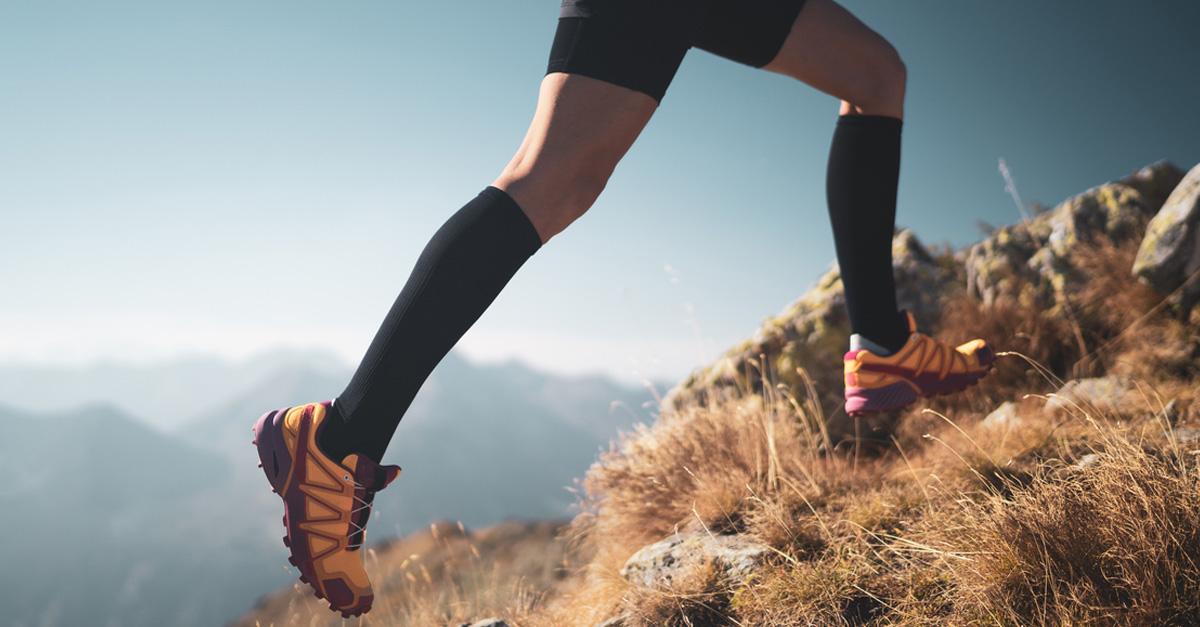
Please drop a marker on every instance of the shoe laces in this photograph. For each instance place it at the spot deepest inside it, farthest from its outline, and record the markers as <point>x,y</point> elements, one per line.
<point>364,496</point>
<point>359,516</point>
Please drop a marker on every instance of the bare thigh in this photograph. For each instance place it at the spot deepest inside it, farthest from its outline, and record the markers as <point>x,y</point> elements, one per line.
<point>833,51</point>
<point>581,129</point>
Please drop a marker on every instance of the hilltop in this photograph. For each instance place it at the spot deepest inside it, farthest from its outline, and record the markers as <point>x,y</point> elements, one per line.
<point>1064,489</point>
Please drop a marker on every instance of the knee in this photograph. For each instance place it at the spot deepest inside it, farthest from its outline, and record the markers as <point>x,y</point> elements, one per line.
<point>884,85</point>
<point>895,75</point>
<point>554,192</point>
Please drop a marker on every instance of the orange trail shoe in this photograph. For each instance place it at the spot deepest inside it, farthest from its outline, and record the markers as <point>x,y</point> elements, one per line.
<point>922,367</point>
<point>325,504</point>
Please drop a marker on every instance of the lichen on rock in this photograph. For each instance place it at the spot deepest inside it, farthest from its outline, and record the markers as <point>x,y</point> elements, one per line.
<point>1170,251</point>
<point>665,561</point>
<point>812,333</point>
<point>1033,265</point>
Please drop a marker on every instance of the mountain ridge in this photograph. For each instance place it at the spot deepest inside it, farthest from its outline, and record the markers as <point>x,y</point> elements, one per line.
<point>125,501</point>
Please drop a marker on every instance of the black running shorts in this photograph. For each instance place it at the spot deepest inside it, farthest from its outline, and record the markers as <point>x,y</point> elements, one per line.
<point>639,44</point>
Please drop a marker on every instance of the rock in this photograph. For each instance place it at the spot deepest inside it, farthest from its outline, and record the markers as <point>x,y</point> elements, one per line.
<point>1113,210</point>
<point>1155,182</point>
<point>1087,461</point>
<point>1004,416</point>
<point>1111,395</point>
<point>487,622</point>
<point>1170,250</point>
<point>1032,263</point>
<point>659,564</point>
<point>1186,435</point>
<point>813,332</point>
<point>616,621</point>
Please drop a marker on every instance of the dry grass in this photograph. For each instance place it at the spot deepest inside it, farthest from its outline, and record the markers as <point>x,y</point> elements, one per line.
<point>1115,542</point>
<point>1079,515</point>
<point>445,576</point>
<point>1113,323</point>
<point>1084,514</point>
<point>982,524</point>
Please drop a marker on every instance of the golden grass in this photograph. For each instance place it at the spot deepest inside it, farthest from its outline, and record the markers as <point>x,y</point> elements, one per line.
<point>1087,514</point>
<point>981,524</point>
<point>445,576</point>
<point>1081,515</point>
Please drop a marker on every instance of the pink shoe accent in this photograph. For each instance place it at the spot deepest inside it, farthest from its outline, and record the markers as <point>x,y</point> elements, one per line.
<point>860,400</point>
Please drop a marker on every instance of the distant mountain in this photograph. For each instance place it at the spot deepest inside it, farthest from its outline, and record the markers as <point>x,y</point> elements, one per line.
<point>98,515</point>
<point>164,394</point>
<point>480,443</point>
<point>117,522</point>
<point>225,426</point>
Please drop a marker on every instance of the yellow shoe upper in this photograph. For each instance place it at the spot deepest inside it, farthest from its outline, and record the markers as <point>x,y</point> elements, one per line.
<point>328,503</point>
<point>921,362</point>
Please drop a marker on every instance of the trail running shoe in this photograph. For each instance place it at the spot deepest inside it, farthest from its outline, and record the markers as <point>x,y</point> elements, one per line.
<point>325,504</point>
<point>922,367</point>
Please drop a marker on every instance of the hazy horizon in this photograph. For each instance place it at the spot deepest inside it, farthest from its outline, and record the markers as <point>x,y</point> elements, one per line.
<point>334,362</point>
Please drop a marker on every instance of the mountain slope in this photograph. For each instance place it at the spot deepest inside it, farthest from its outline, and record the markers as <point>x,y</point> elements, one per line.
<point>95,513</point>
<point>1062,490</point>
<point>117,522</point>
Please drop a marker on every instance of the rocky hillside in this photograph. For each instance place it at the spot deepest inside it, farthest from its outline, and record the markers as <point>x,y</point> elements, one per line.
<point>1036,265</point>
<point>1064,489</point>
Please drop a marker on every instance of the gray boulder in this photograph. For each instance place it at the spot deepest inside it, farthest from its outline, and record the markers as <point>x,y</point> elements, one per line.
<point>1087,461</point>
<point>660,564</point>
<point>1003,417</point>
<point>1033,263</point>
<point>1170,250</point>
<point>1186,435</point>
<point>1155,182</point>
<point>1113,395</point>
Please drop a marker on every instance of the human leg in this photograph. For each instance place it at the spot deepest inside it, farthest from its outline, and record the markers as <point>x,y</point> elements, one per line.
<point>890,364</point>
<point>831,50</point>
<point>605,77</point>
<point>579,132</point>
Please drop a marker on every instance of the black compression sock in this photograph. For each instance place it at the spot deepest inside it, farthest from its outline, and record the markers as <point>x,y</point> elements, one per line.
<point>334,438</point>
<point>861,182</point>
<point>461,271</point>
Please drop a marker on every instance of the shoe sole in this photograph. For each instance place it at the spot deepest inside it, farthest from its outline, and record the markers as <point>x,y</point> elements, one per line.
<point>899,395</point>
<point>277,464</point>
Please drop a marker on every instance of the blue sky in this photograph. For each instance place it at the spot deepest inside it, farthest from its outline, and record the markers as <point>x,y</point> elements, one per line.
<point>168,166</point>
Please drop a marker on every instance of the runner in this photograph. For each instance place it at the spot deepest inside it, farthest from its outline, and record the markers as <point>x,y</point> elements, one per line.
<point>610,65</point>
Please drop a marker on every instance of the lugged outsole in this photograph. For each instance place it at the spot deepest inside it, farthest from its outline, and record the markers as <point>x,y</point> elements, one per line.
<point>276,463</point>
<point>878,400</point>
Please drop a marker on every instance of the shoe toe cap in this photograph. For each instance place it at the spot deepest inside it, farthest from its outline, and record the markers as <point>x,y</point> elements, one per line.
<point>979,350</point>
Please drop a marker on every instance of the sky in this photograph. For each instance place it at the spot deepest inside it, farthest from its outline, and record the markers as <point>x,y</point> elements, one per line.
<point>227,177</point>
